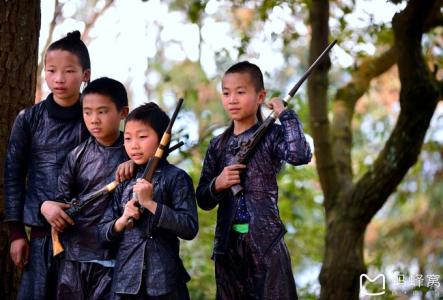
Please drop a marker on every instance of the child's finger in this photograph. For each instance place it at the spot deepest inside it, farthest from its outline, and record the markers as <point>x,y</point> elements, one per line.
<point>237,166</point>
<point>119,173</point>
<point>127,172</point>
<point>130,170</point>
<point>143,181</point>
<point>130,202</point>
<point>136,214</point>
<point>67,218</point>
<point>58,226</point>
<point>65,206</point>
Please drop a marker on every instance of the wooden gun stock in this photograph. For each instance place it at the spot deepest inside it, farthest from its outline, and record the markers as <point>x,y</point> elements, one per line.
<point>74,210</point>
<point>57,246</point>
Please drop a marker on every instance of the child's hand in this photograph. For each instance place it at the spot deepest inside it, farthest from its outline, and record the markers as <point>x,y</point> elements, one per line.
<point>19,252</point>
<point>144,190</point>
<point>276,104</point>
<point>124,171</point>
<point>54,213</point>
<point>131,211</point>
<point>228,177</point>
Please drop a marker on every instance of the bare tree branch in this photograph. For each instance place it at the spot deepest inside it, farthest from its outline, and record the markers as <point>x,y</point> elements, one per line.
<point>205,133</point>
<point>347,96</point>
<point>93,19</point>
<point>343,109</point>
<point>440,89</point>
<point>418,100</point>
<point>41,64</point>
<point>318,104</point>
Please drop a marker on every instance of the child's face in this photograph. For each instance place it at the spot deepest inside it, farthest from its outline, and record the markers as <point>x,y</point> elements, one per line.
<point>102,117</point>
<point>64,76</point>
<point>240,98</point>
<point>141,141</point>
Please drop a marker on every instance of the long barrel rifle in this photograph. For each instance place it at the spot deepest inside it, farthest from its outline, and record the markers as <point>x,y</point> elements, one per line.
<point>79,204</point>
<point>153,162</point>
<point>247,147</point>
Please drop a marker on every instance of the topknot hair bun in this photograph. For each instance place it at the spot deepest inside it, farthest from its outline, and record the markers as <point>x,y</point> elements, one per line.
<point>74,35</point>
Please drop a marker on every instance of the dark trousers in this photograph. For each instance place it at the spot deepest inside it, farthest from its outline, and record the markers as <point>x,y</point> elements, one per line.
<point>39,278</point>
<point>83,280</point>
<point>241,273</point>
<point>179,294</point>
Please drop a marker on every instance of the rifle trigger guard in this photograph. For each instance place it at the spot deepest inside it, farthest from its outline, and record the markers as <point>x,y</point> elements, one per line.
<point>74,202</point>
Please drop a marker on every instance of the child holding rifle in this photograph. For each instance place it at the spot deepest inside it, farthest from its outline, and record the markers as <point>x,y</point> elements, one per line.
<point>148,265</point>
<point>41,137</point>
<point>251,257</point>
<point>87,265</point>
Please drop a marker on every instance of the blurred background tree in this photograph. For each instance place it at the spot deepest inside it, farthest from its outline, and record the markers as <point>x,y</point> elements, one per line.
<point>19,32</point>
<point>355,111</point>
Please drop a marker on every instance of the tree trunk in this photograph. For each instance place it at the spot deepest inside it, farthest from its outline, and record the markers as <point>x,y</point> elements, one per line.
<point>20,28</point>
<point>349,205</point>
<point>343,260</point>
<point>318,100</point>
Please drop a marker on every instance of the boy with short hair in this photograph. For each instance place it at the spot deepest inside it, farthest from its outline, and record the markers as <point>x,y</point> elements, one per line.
<point>41,137</point>
<point>87,266</point>
<point>251,257</point>
<point>148,265</point>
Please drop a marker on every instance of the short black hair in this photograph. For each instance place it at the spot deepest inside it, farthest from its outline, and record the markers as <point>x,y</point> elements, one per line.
<point>72,43</point>
<point>150,114</point>
<point>257,80</point>
<point>109,87</point>
<point>253,70</point>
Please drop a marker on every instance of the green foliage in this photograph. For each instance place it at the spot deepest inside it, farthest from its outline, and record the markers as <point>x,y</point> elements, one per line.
<point>300,206</point>
<point>411,221</point>
<point>194,9</point>
<point>196,255</point>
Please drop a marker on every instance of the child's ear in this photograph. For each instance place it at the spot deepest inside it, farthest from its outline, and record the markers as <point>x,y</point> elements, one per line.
<point>124,112</point>
<point>261,96</point>
<point>86,75</point>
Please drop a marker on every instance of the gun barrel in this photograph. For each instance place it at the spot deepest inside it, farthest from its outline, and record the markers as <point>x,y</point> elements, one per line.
<point>174,115</point>
<point>244,154</point>
<point>308,72</point>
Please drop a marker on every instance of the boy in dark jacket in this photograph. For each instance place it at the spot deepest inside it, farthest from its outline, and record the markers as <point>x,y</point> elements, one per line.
<point>251,257</point>
<point>148,265</point>
<point>87,266</point>
<point>40,139</point>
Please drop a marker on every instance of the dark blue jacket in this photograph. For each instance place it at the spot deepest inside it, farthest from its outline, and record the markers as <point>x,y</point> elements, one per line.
<point>285,142</point>
<point>150,251</point>
<point>88,168</point>
<point>41,137</point>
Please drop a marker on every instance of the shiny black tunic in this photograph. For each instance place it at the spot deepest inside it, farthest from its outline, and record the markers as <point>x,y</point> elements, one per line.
<point>150,251</point>
<point>88,168</point>
<point>285,142</point>
<point>260,255</point>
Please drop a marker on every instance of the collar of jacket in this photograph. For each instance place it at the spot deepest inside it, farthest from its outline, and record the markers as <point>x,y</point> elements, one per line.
<point>56,111</point>
<point>119,142</point>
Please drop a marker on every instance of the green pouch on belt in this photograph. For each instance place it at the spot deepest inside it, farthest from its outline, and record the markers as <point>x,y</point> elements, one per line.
<point>241,228</point>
